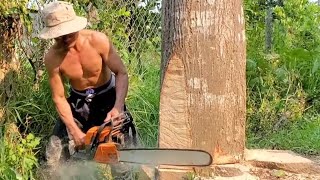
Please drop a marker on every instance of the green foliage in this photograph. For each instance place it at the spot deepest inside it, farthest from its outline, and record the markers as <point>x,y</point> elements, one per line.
<point>301,137</point>
<point>13,7</point>
<point>18,155</point>
<point>143,99</point>
<point>282,86</point>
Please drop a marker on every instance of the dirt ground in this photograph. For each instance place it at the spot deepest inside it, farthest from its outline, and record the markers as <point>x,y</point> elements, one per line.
<point>315,158</point>
<point>256,173</point>
<point>267,174</point>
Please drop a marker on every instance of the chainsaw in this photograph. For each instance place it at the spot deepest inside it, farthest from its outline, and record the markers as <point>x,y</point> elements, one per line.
<point>101,147</point>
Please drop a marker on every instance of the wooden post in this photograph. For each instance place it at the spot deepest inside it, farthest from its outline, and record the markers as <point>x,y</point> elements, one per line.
<point>203,94</point>
<point>269,27</point>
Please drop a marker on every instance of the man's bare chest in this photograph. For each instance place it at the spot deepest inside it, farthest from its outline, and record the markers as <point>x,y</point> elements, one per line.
<point>79,65</point>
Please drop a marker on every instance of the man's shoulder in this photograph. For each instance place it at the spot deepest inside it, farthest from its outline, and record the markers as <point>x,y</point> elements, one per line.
<point>50,56</point>
<point>96,39</point>
<point>94,36</point>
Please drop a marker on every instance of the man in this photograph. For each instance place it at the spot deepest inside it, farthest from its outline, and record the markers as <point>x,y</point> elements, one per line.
<point>97,76</point>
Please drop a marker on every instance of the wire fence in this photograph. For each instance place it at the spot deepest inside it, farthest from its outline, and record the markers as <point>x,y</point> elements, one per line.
<point>135,30</point>
<point>134,27</point>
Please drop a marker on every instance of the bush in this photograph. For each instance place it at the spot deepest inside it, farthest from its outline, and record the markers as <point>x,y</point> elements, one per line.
<point>18,154</point>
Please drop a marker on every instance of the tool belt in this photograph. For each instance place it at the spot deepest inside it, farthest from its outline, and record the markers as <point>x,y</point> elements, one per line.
<point>84,98</point>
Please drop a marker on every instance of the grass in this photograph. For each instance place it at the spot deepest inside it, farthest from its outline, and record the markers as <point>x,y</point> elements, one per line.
<point>301,137</point>
<point>143,102</point>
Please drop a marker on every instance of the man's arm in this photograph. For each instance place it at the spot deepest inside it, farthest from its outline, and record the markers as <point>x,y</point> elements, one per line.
<point>58,96</point>
<point>114,62</point>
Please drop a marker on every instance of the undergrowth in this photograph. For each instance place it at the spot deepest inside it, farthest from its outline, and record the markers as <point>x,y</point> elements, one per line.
<point>301,137</point>
<point>18,154</point>
<point>283,84</point>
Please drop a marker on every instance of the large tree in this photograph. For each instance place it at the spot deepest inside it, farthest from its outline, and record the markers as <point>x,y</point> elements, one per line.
<point>203,94</point>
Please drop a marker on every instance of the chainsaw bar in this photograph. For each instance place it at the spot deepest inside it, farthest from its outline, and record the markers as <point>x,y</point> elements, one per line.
<point>164,156</point>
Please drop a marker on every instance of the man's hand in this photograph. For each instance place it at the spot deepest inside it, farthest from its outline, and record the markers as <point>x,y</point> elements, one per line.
<point>114,114</point>
<point>78,139</point>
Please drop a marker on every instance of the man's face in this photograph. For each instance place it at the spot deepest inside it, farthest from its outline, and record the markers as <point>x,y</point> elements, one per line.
<point>68,38</point>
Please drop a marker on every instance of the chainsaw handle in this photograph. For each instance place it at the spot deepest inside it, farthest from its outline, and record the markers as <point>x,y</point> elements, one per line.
<point>102,126</point>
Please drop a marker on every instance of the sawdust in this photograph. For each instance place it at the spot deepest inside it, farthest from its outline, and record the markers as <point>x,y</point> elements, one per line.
<point>53,152</point>
<point>57,167</point>
<point>77,171</point>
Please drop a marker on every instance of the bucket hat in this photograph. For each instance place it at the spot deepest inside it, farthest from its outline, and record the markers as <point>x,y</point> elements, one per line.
<point>60,19</point>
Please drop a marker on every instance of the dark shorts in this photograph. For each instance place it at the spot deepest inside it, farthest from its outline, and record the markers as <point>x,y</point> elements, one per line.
<point>89,112</point>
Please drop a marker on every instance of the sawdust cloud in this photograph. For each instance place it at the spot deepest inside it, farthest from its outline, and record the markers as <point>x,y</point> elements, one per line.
<point>56,169</point>
<point>76,171</point>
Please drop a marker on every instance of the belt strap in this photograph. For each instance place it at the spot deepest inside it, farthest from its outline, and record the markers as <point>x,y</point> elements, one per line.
<point>90,92</point>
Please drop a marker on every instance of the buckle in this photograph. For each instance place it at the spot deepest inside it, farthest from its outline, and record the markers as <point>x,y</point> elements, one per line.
<point>90,94</point>
<point>89,91</point>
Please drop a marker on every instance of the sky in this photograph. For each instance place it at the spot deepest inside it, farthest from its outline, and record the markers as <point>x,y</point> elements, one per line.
<point>313,0</point>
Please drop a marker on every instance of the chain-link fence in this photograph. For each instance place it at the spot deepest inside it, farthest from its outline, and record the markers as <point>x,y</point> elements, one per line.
<point>25,98</point>
<point>134,27</point>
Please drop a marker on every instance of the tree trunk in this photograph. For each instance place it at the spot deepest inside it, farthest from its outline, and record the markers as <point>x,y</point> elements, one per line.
<point>203,94</point>
<point>10,29</point>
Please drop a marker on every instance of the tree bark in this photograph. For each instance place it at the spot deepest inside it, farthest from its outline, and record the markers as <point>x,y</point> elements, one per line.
<point>10,29</point>
<point>203,94</point>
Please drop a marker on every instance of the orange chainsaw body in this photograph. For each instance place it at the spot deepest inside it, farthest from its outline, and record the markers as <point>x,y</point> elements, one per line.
<point>107,153</point>
<point>92,133</point>
<point>105,150</point>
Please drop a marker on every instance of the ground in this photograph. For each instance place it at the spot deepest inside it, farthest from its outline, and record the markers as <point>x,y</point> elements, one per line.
<point>267,174</point>
<point>258,165</point>
<point>255,173</point>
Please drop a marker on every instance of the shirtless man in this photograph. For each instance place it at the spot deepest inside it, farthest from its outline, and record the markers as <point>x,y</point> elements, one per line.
<point>97,75</point>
